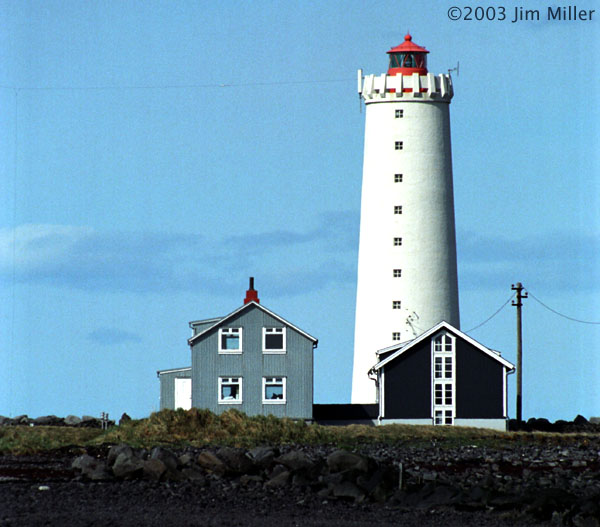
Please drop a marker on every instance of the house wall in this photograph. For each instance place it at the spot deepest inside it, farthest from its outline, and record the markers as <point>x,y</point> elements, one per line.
<point>408,385</point>
<point>167,386</point>
<point>479,384</point>
<point>252,365</point>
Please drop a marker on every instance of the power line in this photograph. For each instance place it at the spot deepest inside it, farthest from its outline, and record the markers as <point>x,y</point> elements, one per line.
<point>492,316</point>
<point>560,314</point>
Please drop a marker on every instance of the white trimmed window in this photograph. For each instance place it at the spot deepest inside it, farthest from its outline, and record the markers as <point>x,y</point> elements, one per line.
<point>274,391</point>
<point>230,390</point>
<point>399,114</point>
<point>397,273</point>
<point>397,209</point>
<point>397,242</point>
<point>230,340</point>
<point>396,335</point>
<point>398,178</point>
<point>443,379</point>
<point>398,145</point>
<point>396,304</point>
<point>273,340</point>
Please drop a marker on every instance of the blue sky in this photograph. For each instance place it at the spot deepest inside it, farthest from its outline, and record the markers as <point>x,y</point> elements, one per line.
<point>155,154</point>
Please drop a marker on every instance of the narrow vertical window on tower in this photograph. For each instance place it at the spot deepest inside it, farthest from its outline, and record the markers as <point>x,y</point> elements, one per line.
<point>396,335</point>
<point>398,178</point>
<point>397,273</point>
<point>398,209</point>
<point>399,114</point>
<point>399,145</point>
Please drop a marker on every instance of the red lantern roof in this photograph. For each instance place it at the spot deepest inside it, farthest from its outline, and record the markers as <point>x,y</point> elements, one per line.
<point>408,58</point>
<point>408,45</point>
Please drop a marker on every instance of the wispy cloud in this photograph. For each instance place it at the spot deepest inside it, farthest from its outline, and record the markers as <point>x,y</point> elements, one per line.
<point>557,260</point>
<point>83,258</point>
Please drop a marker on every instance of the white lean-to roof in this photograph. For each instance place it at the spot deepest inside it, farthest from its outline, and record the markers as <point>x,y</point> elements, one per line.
<point>403,347</point>
<point>173,370</point>
<point>221,321</point>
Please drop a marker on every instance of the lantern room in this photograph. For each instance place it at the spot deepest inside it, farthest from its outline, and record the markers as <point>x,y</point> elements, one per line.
<point>407,58</point>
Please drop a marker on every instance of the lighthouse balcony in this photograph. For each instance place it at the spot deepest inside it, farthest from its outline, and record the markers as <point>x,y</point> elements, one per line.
<point>393,87</point>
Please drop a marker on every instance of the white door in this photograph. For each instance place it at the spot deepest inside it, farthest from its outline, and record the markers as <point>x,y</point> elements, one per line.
<point>183,393</point>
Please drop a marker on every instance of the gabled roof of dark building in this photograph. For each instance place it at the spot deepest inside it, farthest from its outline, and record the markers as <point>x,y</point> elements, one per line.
<point>395,351</point>
<point>221,321</point>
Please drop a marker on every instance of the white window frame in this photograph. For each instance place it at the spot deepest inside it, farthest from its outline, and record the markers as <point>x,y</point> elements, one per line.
<point>226,381</point>
<point>274,381</point>
<point>443,378</point>
<point>265,332</point>
<point>230,331</point>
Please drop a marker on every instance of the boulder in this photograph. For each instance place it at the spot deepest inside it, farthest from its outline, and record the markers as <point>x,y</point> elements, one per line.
<point>48,420</point>
<point>210,462</point>
<point>236,459</point>
<point>72,420</point>
<point>154,469</point>
<point>124,419</point>
<point>91,468</point>
<point>166,456</point>
<point>295,460</point>
<point>342,460</point>
<point>127,466</point>
<point>114,452</point>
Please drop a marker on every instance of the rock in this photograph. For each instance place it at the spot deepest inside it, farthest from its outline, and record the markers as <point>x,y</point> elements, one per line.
<point>48,420</point>
<point>347,489</point>
<point>72,420</point>
<point>263,456</point>
<point>21,420</point>
<point>154,469</point>
<point>279,480</point>
<point>209,461</point>
<point>127,466</point>
<point>91,468</point>
<point>124,419</point>
<point>4,420</point>
<point>166,456</point>
<point>114,452</point>
<point>341,460</point>
<point>87,421</point>
<point>295,460</point>
<point>236,459</point>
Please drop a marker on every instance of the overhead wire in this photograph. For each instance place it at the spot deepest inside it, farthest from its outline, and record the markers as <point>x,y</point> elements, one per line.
<point>557,312</point>
<point>492,316</point>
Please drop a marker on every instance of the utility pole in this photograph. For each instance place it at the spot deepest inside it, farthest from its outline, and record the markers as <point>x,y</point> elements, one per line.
<point>518,303</point>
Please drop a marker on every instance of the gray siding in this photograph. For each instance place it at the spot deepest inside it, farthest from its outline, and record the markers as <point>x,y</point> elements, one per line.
<point>200,325</point>
<point>252,365</point>
<point>167,386</point>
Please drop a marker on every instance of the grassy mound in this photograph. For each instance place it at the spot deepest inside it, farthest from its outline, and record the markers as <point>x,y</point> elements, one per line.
<point>201,427</point>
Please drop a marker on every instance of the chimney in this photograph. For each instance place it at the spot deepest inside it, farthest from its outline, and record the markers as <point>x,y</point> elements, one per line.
<point>251,294</point>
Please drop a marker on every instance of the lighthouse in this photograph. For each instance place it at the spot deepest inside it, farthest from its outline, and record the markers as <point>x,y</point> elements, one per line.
<point>407,275</point>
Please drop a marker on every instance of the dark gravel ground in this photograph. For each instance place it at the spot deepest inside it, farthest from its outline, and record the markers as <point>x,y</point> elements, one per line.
<point>42,489</point>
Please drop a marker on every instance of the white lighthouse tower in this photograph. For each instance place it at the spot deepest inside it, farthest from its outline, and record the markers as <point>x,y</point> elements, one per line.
<point>407,277</point>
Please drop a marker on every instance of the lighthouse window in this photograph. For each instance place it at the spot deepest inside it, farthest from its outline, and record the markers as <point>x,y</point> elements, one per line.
<point>399,114</point>
<point>396,335</point>
<point>397,178</point>
<point>398,209</point>
<point>398,145</point>
<point>397,242</point>
<point>397,273</point>
<point>396,304</point>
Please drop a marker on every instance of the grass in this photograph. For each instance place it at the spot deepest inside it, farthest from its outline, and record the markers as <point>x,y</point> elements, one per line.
<point>201,427</point>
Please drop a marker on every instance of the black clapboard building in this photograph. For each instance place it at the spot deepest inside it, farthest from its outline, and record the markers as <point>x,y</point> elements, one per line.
<point>443,377</point>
